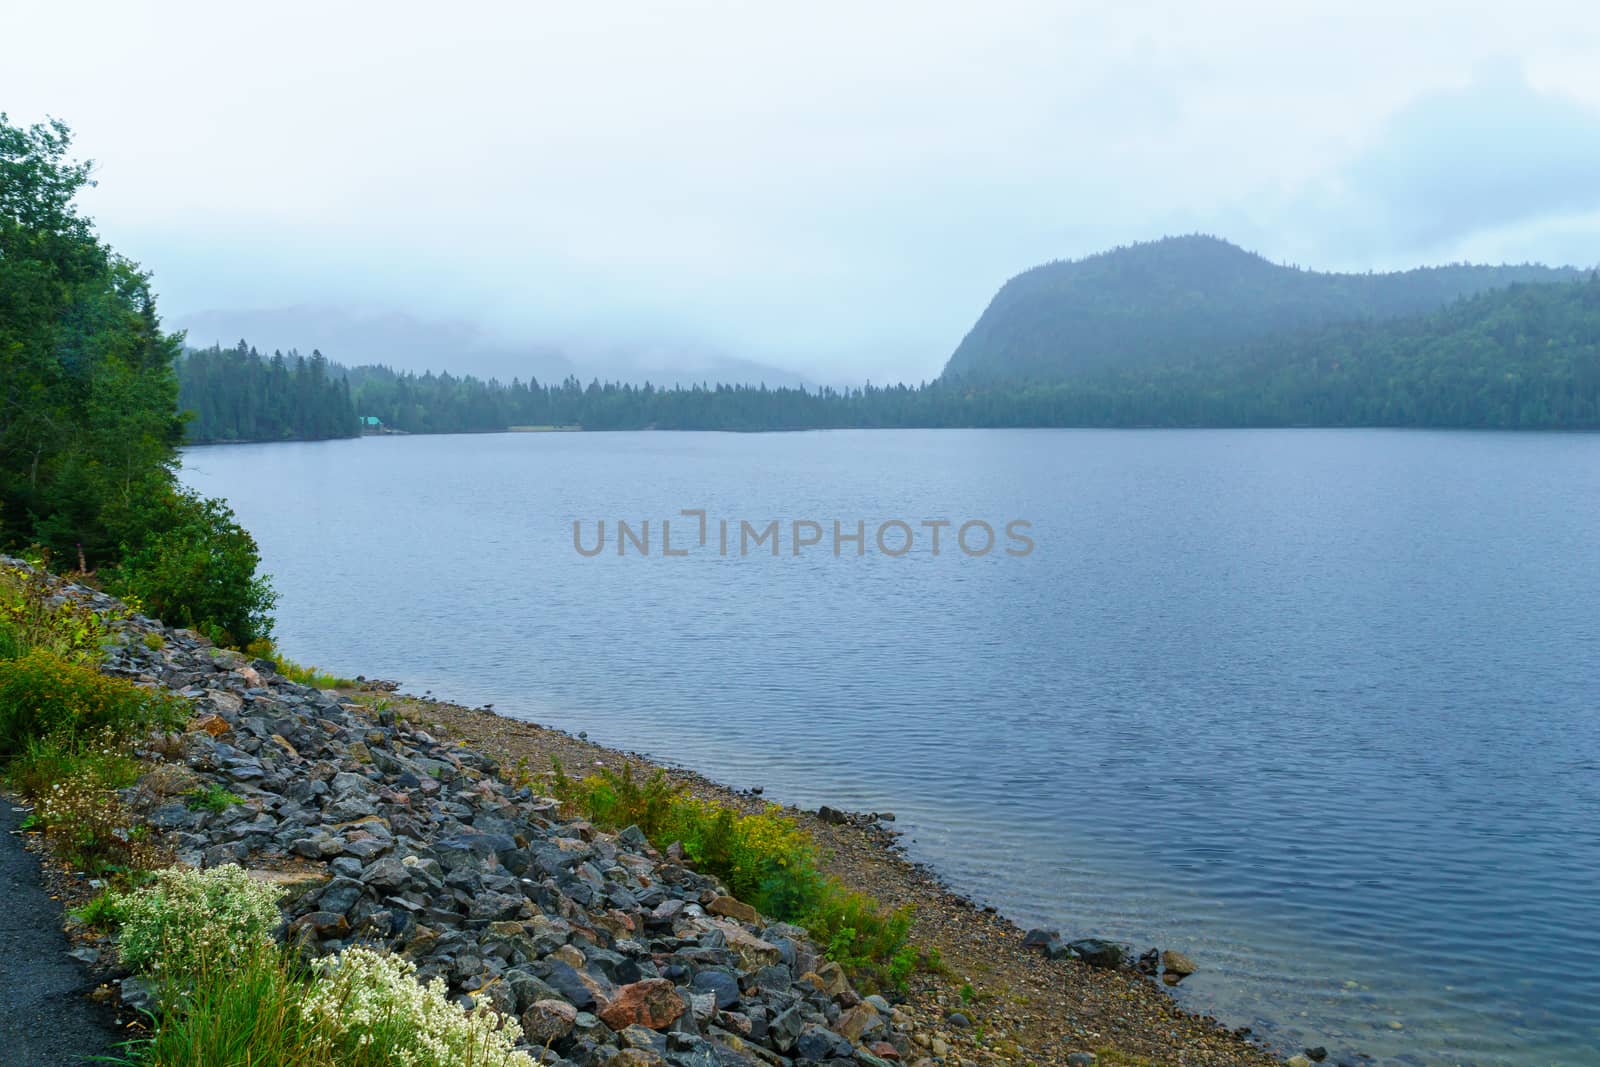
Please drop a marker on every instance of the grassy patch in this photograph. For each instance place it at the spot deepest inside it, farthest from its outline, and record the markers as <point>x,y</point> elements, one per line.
<point>212,798</point>
<point>766,860</point>
<point>311,676</point>
<point>31,617</point>
<point>101,912</point>
<point>247,1013</point>
<point>359,1009</point>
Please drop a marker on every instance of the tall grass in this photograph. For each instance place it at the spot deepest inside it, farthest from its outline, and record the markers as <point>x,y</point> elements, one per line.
<point>311,676</point>
<point>244,1015</point>
<point>31,617</point>
<point>765,859</point>
<point>43,695</point>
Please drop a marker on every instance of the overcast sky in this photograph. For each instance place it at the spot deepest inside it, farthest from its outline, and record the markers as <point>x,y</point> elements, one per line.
<point>832,188</point>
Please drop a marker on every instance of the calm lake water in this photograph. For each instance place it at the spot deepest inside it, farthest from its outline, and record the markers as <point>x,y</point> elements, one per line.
<point>1320,709</point>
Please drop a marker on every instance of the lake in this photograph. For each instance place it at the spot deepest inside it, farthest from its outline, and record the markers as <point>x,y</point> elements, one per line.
<point>1320,709</point>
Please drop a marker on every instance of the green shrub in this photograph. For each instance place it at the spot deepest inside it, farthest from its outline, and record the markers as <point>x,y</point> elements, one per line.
<point>765,858</point>
<point>263,648</point>
<point>101,912</point>
<point>212,798</point>
<point>31,617</point>
<point>91,829</point>
<point>617,800</point>
<point>45,696</point>
<point>188,920</point>
<point>197,568</point>
<point>859,933</point>
<point>45,761</point>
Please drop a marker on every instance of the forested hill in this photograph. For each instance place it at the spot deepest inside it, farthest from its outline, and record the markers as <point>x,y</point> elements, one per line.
<point>1523,357</point>
<point>1181,299</point>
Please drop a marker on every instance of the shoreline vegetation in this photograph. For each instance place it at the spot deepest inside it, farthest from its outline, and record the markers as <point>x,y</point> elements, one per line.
<point>206,790</point>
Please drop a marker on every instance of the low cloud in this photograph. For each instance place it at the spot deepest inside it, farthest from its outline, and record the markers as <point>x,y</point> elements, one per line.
<point>1495,157</point>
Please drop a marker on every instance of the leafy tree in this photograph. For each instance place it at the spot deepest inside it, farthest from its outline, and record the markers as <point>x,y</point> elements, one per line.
<point>197,567</point>
<point>89,424</point>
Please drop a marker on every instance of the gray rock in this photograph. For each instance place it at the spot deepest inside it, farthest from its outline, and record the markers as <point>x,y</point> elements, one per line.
<point>819,1043</point>
<point>1095,952</point>
<point>139,993</point>
<point>719,983</point>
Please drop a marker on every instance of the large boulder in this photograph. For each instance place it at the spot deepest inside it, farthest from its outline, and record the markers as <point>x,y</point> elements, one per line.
<point>652,1003</point>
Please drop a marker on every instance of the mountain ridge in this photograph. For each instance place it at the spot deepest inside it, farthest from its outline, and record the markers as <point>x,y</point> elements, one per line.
<point>1196,296</point>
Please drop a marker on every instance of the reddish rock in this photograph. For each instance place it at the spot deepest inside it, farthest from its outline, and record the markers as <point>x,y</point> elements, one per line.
<point>732,908</point>
<point>884,1050</point>
<point>215,725</point>
<point>654,1003</point>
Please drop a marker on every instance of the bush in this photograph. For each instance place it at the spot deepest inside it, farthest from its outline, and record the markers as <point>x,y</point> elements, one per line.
<point>766,859</point>
<point>188,920</point>
<point>31,617</point>
<point>89,827</point>
<point>197,568</point>
<point>43,696</point>
<point>371,1010</point>
<point>100,912</point>
<point>45,761</point>
<point>860,935</point>
<point>212,798</point>
<point>263,648</point>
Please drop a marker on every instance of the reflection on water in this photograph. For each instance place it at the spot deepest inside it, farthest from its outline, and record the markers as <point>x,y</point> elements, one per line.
<point>1316,708</point>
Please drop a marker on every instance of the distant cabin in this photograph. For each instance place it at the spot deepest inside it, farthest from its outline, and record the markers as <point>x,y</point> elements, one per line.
<point>371,424</point>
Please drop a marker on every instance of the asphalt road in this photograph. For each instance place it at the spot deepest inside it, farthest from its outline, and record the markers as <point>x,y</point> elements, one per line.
<point>45,1019</point>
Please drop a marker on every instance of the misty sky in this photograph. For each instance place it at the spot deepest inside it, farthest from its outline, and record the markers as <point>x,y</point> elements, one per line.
<point>832,189</point>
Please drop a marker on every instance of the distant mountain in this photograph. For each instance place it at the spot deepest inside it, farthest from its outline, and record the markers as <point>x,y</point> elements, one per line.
<point>408,343</point>
<point>1182,299</point>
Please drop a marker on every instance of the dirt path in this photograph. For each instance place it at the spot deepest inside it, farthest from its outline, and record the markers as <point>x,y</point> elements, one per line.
<point>46,1019</point>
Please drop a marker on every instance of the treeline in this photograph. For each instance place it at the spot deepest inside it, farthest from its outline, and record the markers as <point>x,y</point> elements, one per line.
<point>89,423</point>
<point>236,394</point>
<point>1525,357</point>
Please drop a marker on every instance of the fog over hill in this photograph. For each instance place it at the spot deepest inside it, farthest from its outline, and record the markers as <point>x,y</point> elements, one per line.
<point>408,342</point>
<point>1189,298</point>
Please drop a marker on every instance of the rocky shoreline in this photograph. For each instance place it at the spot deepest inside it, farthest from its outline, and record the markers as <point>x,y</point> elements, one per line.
<point>399,823</point>
<point>1026,1004</point>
